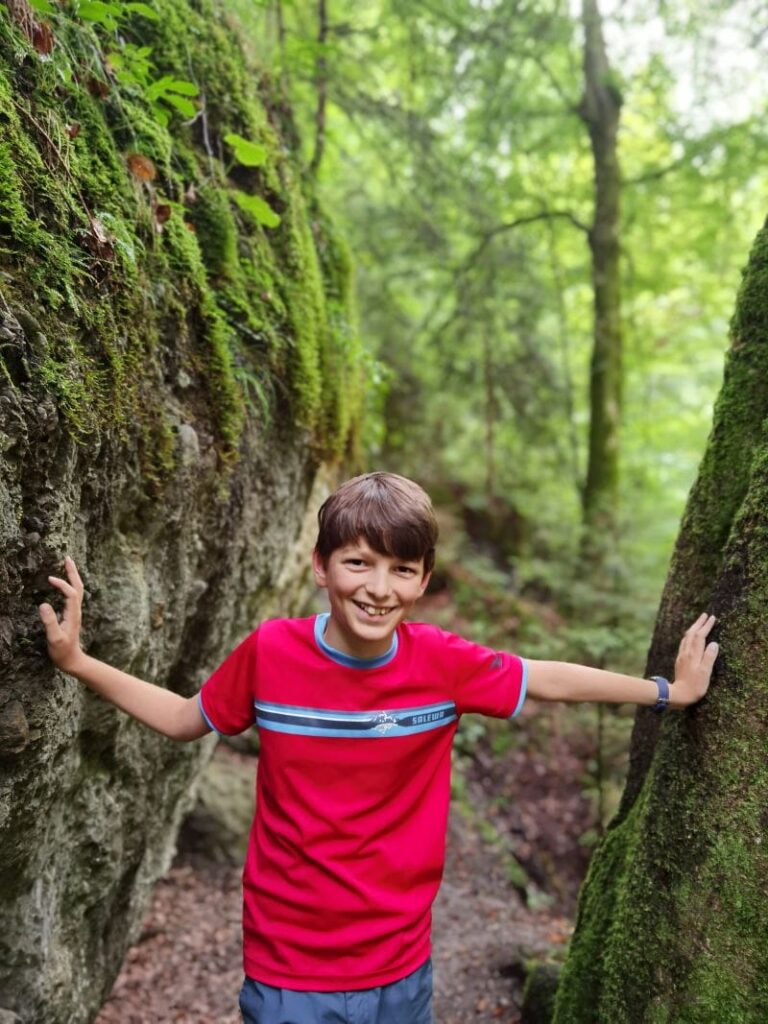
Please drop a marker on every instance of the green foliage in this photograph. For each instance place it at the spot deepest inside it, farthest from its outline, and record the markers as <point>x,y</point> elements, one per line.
<point>258,208</point>
<point>249,154</point>
<point>122,230</point>
<point>129,63</point>
<point>175,93</point>
<point>252,154</point>
<point>684,860</point>
<point>106,14</point>
<point>450,137</point>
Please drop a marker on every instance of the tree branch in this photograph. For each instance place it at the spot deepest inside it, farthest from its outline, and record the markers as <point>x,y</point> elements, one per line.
<point>464,268</point>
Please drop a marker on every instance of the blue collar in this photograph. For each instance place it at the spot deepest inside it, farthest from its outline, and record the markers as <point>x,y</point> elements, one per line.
<point>349,660</point>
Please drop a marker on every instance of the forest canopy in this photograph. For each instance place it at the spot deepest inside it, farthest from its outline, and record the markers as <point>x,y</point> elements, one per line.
<point>450,141</point>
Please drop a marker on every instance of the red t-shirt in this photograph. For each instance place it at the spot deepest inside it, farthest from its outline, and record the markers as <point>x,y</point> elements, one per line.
<point>347,846</point>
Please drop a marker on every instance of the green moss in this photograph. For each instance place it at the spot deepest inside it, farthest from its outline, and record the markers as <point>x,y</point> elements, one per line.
<point>673,918</point>
<point>216,232</point>
<point>123,304</point>
<point>671,921</point>
<point>739,415</point>
<point>342,355</point>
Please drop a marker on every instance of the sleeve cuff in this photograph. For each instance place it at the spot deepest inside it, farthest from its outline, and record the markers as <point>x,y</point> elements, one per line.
<point>208,721</point>
<point>523,689</point>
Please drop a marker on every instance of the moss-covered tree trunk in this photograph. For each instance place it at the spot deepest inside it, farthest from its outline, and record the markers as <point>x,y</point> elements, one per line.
<point>176,362</point>
<point>673,918</point>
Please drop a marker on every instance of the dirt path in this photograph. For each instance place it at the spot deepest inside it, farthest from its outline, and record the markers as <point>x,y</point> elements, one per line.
<point>483,935</point>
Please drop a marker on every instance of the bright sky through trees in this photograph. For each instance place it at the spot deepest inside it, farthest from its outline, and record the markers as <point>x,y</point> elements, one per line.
<point>717,57</point>
<point>446,125</point>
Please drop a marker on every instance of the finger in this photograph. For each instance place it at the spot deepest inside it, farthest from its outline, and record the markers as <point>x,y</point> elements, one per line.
<point>63,585</point>
<point>703,624</point>
<point>706,628</point>
<point>696,634</point>
<point>695,626</point>
<point>710,655</point>
<point>50,621</point>
<point>70,617</point>
<point>689,634</point>
<point>72,574</point>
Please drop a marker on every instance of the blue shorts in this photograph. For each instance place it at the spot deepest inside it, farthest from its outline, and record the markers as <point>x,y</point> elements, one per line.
<point>408,1001</point>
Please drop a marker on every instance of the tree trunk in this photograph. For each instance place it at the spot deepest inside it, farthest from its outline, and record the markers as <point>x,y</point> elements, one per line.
<point>600,108</point>
<point>321,87</point>
<point>673,917</point>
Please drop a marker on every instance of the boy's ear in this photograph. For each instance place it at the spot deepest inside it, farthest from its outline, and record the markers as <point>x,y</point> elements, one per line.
<point>424,582</point>
<point>318,568</point>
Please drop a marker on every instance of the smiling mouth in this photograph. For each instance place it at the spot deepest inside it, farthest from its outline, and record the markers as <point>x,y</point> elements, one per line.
<point>372,611</point>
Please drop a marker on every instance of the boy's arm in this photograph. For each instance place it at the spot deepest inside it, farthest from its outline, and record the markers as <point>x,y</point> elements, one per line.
<point>168,713</point>
<point>554,680</point>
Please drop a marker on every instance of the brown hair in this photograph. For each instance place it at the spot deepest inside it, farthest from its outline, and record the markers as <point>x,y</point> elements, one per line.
<point>392,513</point>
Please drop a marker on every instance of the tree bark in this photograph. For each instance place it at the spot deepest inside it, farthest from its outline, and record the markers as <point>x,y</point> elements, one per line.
<point>673,917</point>
<point>321,85</point>
<point>600,110</point>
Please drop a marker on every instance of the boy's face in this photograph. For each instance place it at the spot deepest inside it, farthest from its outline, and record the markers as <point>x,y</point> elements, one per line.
<point>370,595</point>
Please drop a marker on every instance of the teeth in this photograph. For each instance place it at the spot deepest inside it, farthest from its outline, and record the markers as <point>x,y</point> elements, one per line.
<point>372,610</point>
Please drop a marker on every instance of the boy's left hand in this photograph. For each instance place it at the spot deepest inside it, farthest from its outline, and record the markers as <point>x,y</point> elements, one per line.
<point>694,662</point>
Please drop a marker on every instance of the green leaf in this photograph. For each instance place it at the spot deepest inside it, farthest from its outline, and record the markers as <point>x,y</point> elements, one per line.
<point>161,116</point>
<point>43,7</point>
<point>158,87</point>
<point>258,208</point>
<point>184,106</point>
<point>144,9</point>
<point>167,84</point>
<point>182,86</point>
<point>249,154</point>
<point>96,10</point>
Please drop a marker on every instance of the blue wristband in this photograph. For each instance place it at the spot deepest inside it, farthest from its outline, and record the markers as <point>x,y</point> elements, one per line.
<point>662,702</point>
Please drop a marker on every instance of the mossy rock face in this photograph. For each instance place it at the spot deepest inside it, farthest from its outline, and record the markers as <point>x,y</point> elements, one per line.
<point>220,822</point>
<point>672,924</point>
<point>172,375</point>
<point>539,994</point>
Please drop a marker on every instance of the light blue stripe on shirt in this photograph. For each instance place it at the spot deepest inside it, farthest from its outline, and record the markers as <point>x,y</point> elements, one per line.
<point>302,721</point>
<point>523,689</point>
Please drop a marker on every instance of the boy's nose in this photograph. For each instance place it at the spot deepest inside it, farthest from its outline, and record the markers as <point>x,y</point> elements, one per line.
<point>377,585</point>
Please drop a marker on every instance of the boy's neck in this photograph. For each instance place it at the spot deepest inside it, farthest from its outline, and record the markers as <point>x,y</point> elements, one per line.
<point>356,647</point>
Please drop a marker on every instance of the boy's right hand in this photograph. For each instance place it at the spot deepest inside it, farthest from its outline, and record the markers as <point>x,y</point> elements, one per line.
<point>64,636</point>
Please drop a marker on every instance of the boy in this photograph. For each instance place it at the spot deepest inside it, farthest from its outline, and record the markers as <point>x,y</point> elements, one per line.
<point>357,710</point>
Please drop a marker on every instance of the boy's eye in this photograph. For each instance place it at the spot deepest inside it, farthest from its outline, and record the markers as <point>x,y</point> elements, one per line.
<point>406,570</point>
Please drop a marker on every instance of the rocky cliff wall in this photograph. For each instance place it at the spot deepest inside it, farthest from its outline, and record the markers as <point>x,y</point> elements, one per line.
<point>176,362</point>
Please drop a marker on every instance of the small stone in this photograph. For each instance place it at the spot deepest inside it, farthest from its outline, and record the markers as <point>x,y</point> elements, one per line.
<point>189,444</point>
